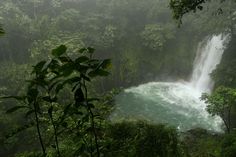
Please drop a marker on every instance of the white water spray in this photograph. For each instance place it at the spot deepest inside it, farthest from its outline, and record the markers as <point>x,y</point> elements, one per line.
<point>209,55</point>
<point>177,103</point>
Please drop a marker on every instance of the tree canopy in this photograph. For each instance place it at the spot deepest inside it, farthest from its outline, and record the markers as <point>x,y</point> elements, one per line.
<point>181,7</point>
<point>220,103</point>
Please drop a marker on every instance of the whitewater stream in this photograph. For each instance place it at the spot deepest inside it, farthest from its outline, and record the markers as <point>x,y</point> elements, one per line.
<point>177,103</point>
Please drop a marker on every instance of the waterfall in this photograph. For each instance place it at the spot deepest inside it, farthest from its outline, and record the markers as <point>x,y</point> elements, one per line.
<point>176,103</point>
<point>208,56</point>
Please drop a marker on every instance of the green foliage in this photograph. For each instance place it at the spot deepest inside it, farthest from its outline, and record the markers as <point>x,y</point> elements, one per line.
<point>221,13</point>
<point>220,103</point>
<point>77,124</point>
<point>229,146</point>
<point>141,29</point>
<point>40,48</point>
<point>181,7</point>
<point>109,36</point>
<point>139,36</point>
<point>59,51</point>
<point>142,139</point>
<point>42,98</point>
<point>201,143</point>
<point>155,36</point>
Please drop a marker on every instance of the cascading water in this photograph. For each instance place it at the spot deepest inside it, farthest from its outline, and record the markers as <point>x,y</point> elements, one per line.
<point>207,58</point>
<point>176,103</point>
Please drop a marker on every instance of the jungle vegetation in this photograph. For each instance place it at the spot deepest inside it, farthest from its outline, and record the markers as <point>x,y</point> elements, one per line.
<point>62,62</point>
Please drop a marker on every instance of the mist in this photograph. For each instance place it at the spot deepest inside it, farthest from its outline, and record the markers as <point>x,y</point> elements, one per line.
<point>111,77</point>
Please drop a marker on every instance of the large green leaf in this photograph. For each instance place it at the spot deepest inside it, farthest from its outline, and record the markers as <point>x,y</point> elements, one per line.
<point>82,50</point>
<point>53,65</point>
<point>81,59</point>
<point>38,67</point>
<point>32,94</point>
<point>82,68</point>
<point>79,95</point>
<point>73,80</point>
<point>67,69</point>
<point>57,52</point>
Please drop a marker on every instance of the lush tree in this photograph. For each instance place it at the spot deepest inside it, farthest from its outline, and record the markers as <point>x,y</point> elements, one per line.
<point>142,139</point>
<point>155,36</point>
<point>119,30</point>
<point>181,7</point>
<point>220,103</point>
<point>46,109</point>
<point>229,146</point>
<point>222,11</point>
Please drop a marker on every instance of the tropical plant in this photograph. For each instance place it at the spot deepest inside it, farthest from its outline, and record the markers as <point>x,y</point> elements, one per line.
<point>45,109</point>
<point>220,103</point>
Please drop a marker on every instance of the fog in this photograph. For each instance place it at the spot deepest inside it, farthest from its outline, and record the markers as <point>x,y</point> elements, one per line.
<point>148,48</point>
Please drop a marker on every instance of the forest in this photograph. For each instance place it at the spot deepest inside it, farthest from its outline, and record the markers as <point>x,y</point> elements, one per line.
<point>117,78</point>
